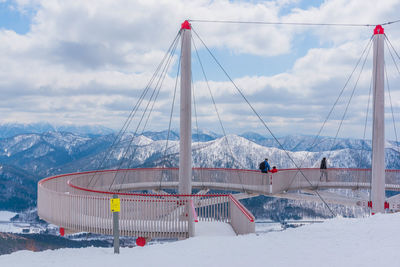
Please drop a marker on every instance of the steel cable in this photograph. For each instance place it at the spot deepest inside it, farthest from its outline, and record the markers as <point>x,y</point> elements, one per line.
<point>397,68</point>
<point>315,143</point>
<point>163,73</point>
<point>292,23</point>
<point>391,106</point>
<point>127,122</point>
<point>218,115</point>
<point>262,121</point>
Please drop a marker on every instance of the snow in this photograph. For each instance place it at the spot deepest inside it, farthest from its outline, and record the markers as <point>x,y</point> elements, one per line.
<point>371,241</point>
<point>12,227</point>
<point>6,215</point>
<point>5,225</point>
<point>214,229</point>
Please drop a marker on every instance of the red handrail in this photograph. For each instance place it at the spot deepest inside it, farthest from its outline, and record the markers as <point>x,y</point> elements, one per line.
<point>142,194</point>
<point>141,169</point>
<point>242,208</point>
<point>211,169</point>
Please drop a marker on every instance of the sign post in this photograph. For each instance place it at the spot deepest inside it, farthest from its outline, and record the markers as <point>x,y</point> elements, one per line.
<point>115,206</point>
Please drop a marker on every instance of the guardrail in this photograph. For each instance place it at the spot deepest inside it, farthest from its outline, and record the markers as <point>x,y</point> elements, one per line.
<point>233,179</point>
<point>242,220</point>
<point>293,179</point>
<point>152,215</point>
<point>80,201</point>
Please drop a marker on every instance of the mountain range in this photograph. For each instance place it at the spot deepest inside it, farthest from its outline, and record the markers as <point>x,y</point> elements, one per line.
<point>27,157</point>
<point>12,129</point>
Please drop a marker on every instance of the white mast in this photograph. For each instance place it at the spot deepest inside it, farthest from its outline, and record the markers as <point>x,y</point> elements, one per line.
<point>185,155</point>
<point>378,131</point>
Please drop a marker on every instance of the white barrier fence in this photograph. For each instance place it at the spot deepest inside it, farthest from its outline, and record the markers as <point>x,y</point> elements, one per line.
<point>80,201</point>
<point>234,179</point>
<point>150,215</point>
<point>311,178</point>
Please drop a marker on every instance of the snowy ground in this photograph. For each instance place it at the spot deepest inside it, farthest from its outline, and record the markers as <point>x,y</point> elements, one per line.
<point>214,229</point>
<point>372,241</point>
<point>8,227</point>
<point>6,215</point>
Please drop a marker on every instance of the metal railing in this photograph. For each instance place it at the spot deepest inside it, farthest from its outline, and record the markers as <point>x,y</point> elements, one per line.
<point>234,179</point>
<point>311,178</point>
<point>242,220</point>
<point>80,201</point>
<point>152,215</point>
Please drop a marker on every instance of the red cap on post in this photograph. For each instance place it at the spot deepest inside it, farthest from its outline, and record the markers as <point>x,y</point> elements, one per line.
<point>186,25</point>
<point>379,30</point>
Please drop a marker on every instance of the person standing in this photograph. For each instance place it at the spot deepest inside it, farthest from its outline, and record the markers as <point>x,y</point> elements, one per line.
<point>323,168</point>
<point>267,167</point>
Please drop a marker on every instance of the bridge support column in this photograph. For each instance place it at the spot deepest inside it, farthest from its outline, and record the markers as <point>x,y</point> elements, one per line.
<point>185,153</point>
<point>185,141</point>
<point>378,131</point>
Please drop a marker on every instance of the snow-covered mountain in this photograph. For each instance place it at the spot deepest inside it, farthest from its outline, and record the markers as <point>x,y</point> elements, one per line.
<point>30,157</point>
<point>12,129</point>
<point>235,151</point>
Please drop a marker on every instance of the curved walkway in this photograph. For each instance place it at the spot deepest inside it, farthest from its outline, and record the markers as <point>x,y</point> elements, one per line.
<point>80,201</point>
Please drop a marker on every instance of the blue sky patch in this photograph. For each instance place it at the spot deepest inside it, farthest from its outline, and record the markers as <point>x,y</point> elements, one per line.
<point>13,19</point>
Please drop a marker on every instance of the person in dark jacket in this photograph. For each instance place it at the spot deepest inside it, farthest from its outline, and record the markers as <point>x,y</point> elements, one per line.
<point>324,172</point>
<point>267,168</point>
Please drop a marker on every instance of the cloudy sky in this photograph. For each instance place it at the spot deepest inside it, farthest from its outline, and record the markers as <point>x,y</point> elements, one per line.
<point>87,62</point>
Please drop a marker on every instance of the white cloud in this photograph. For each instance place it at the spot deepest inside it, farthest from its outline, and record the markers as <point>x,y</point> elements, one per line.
<point>87,61</point>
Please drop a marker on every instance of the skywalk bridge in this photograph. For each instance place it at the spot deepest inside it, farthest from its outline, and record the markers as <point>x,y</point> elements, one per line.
<point>71,202</point>
<point>81,201</point>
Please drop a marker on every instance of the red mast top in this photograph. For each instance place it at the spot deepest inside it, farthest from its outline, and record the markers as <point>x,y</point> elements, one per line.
<point>186,25</point>
<point>379,30</point>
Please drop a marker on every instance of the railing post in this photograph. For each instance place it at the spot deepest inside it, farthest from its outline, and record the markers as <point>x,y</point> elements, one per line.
<point>270,184</point>
<point>189,205</point>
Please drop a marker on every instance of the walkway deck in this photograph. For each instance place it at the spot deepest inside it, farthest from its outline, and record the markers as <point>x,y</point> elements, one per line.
<point>80,201</point>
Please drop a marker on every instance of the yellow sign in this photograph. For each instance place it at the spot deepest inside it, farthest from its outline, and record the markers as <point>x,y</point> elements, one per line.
<point>115,205</point>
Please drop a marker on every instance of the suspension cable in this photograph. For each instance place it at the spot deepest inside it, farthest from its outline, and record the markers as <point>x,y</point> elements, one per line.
<point>262,121</point>
<point>282,23</point>
<point>153,100</point>
<point>127,122</point>
<point>157,90</point>
<point>364,133</point>
<point>195,111</point>
<point>388,41</point>
<point>158,86</point>
<point>170,116</point>
<point>291,23</point>
<point>198,135</point>
<point>163,73</point>
<point>391,105</point>
<point>315,143</point>
<point>349,101</point>
<point>218,115</point>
